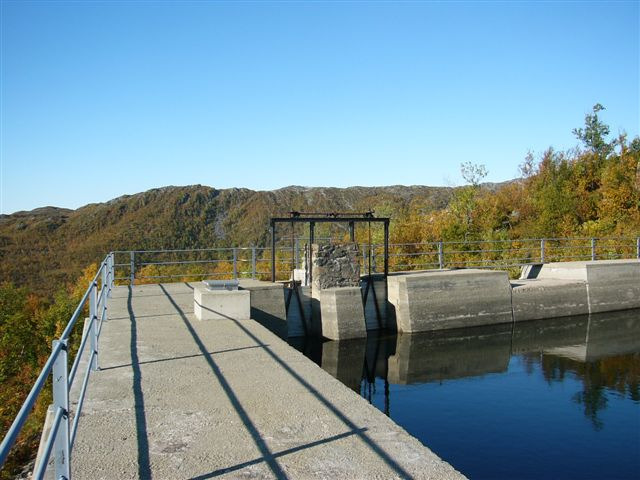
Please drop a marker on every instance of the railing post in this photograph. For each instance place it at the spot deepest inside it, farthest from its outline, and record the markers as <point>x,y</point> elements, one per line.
<point>61,401</point>
<point>112,271</point>
<point>235,263</point>
<point>373,259</point>
<point>593,249</point>
<point>105,269</point>
<point>638,248</point>
<point>93,324</point>
<point>441,254</point>
<point>296,254</point>
<point>542,248</point>
<point>133,268</point>
<point>364,259</point>
<point>273,252</point>
<point>253,262</point>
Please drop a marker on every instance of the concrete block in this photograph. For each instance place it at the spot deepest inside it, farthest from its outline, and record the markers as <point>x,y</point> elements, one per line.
<point>444,299</point>
<point>548,298</point>
<point>267,301</point>
<point>613,284</point>
<point>221,304</point>
<point>342,313</point>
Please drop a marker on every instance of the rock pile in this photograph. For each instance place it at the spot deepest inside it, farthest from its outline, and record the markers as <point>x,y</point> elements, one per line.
<point>335,266</point>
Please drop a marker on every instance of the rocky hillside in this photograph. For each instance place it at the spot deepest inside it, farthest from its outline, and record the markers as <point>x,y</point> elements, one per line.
<point>52,244</point>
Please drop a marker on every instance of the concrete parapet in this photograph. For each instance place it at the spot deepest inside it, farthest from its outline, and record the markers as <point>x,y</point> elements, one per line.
<point>342,313</point>
<point>612,284</point>
<point>444,299</point>
<point>370,313</point>
<point>294,316</point>
<point>221,304</point>
<point>268,305</point>
<point>534,299</point>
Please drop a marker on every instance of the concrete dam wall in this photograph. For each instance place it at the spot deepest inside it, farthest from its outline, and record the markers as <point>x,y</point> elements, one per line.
<point>444,299</point>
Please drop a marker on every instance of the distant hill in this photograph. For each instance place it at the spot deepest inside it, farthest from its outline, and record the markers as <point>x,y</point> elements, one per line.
<point>52,244</point>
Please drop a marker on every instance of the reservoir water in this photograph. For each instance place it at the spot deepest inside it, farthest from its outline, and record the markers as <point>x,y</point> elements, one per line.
<point>556,398</point>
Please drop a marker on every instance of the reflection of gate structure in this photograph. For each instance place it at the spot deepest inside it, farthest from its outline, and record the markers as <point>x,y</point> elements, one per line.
<point>332,217</point>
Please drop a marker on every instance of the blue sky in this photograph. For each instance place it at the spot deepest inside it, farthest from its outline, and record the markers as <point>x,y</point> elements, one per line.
<point>101,99</point>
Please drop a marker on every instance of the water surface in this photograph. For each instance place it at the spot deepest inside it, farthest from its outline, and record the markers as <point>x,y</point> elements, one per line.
<point>557,398</point>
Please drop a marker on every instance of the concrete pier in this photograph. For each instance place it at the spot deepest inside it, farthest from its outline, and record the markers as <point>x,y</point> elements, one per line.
<point>612,284</point>
<point>443,299</point>
<point>178,398</point>
<point>342,313</point>
<point>535,299</point>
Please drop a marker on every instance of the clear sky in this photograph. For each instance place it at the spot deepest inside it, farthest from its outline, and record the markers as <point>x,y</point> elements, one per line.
<point>101,99</point>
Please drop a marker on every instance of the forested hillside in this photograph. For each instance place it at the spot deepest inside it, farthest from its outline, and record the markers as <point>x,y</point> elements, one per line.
<point>51,246</point>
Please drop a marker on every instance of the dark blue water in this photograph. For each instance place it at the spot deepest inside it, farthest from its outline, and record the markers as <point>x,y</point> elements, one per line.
<point>550,399</point>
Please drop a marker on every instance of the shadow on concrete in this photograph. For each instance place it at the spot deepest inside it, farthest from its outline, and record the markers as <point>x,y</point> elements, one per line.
<point>255,461</point>
<point>242,413</point>
<point>153,315</point>
<point>144,467</point>
<point>391,463</point>
<point>217,352</point>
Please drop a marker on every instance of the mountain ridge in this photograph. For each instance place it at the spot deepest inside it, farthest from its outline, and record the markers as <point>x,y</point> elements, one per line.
<point>53,244</point>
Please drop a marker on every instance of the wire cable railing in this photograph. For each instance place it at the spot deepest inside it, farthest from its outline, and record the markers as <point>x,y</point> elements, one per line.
<point>145,266</point>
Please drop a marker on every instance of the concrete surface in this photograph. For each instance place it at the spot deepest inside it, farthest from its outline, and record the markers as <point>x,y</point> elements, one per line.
<point>178,398</point>
<point>613,284</point>
<point>268,306</point>
<point>443,299</point>
<point>220,304</point>
<point>342,313</point>
<point>370,313</point>
<point>295,327</point>
<point>534,299</point>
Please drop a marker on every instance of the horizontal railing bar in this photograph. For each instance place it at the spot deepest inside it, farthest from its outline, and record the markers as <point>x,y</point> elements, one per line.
<point>183,262</point>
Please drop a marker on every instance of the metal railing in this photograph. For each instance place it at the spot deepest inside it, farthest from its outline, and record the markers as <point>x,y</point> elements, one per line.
<point>255,262</point>
<point>61,437</point>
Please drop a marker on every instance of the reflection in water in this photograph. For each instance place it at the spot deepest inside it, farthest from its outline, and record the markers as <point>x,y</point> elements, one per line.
<point>446,355</point>
<point>596,359</point>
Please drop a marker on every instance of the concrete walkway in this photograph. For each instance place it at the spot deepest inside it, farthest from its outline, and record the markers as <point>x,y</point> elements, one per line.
<point>180,398</point>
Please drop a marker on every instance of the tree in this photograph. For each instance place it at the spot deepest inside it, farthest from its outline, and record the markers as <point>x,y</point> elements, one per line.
<point>594,133</point>
<point>473,173</point>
